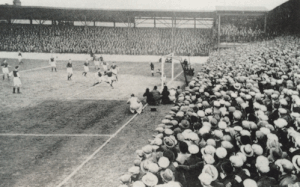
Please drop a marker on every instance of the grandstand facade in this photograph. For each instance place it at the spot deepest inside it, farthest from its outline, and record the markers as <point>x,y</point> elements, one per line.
<point>139,32</point>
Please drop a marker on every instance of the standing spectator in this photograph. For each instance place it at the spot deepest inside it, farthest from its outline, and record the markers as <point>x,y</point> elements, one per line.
<point>165,96</point>
<point>156,95</point>
<point>149,97</point>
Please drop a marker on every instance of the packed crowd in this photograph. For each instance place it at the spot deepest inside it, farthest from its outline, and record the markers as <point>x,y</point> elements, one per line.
<point>104,40</point>
<point>236,124</point>
<point>232,33</point>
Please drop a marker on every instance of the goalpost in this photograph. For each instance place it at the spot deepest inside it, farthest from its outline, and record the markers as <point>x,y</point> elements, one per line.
<point>163,59</point>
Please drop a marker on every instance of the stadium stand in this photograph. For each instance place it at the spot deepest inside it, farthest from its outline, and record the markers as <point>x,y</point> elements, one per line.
<point>132,41</point>
<point>236,124</point>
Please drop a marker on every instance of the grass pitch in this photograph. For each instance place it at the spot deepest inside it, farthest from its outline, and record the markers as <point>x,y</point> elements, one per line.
<point>51,105</point>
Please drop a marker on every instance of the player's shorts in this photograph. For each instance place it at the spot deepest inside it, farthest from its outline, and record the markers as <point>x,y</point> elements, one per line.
<point>5,70</point>
<point>152,71</point>
<point>86,69</point>
<point>107,79</point>
<point>53,65</point>
<point>114,71</point>
<point>69,70</point>
<point>19,58</point>
<point>17,81</point>
<point>97,63</point>
<point>105,67</point>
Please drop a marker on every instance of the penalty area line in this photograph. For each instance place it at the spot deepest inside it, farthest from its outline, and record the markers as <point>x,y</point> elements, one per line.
<point>103,145</point>
<point>56,135</point>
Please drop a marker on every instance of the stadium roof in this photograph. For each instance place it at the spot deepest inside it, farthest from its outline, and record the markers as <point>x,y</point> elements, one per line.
<point>107,15</point>
<point>237,10</point>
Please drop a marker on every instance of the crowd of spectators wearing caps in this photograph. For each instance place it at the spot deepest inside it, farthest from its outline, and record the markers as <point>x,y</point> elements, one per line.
<point>236,124</point>
<point>104,40</point>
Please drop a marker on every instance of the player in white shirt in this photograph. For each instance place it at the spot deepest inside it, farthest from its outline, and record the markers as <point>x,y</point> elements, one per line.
<point>20,57</point>
<point>52,62</point>
<point>105,66</point>
<point>86,67</point>
<point>5,69</point>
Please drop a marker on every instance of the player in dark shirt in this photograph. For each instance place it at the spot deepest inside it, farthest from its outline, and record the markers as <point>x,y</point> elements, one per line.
<point>17,81</point>
<point>114,69</point>
<point>69,69</point>
<point>152,68</point>
<point>86,68</point>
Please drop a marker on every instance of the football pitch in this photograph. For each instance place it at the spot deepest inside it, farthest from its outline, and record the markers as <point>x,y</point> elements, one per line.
<point>70,133</point>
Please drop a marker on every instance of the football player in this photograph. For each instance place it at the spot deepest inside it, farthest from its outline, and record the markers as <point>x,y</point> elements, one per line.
<point>86,67</point>
<point>5,69</point>
<point>17,81</point>
<point>52,62</point>
<point>69,69</point>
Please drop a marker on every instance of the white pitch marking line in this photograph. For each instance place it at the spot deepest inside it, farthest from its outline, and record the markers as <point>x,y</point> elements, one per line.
<point>56,135</point>
<point>33,69</point>
<point>83,91</point>
<point>99,149</point>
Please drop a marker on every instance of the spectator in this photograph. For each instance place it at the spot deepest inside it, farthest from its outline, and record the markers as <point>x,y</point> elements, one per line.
<point>149,97</point>
<point>156,95</point>
<point>165,96</point>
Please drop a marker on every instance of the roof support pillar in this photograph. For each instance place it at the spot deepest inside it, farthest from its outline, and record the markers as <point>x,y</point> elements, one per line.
<point>114,24</point>
<point>265,24</point>
<point>94,23</point>
<point>30,21</point>
<point>154,22</point>
<point>194,23</point>
<point>219,31</point>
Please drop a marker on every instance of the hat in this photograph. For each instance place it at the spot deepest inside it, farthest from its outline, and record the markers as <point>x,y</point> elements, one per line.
<point>208,150</point>
<point>170,141</point>
<point>257,149</point>
<point>261,160</point>
<point>236,161</point>
<point>265,130</point>
<point>138,184</point>
<point>163,162</point>
<point>221,152</point>
<point>249,183</point>
<point>209,159</point>
<point>137,162</point>
<point>226,145</point>
<point>159,129</point>
<point>247,150</point>
<point>218,134</point>
<point>193,149</point>
<point>147,149</point>
<point>125,178</point>
<point>201,113</point>
<point>237,114</point>
<point>167,175</point>
<point>150,179</point>
<point>222,125</point>
<point>211,170</point>
<point>280,123</point>
<point>134,170</point>
<point>153,167</point>
<point>211,142</point>
<point>296,162</point>
<point>245,133</point>
<point>205,178</point>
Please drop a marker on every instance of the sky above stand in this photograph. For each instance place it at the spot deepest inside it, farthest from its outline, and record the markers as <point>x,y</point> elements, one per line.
<point>148,4</point>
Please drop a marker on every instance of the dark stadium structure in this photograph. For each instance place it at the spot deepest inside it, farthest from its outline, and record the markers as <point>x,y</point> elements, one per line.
<point>227,24</point>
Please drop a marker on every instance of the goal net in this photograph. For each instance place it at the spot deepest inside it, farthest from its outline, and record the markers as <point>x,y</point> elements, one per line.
<point>168,58</point>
